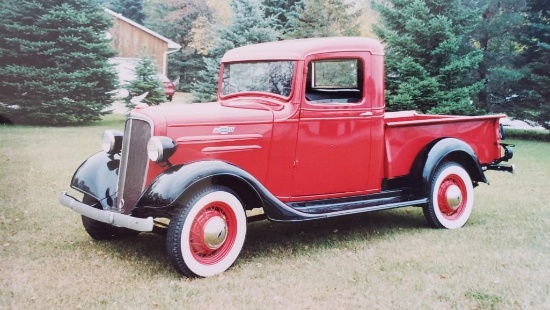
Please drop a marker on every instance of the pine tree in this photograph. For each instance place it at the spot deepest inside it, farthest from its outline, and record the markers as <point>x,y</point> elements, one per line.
<point>282,11</point>
<point>498,35</point>
<point>148,81</point>
<point>54,61</point>
<point>532,93</point>
<point>249,26</point>
<point>324,18</point>
<point>132,9</point>
<point>429,55</point>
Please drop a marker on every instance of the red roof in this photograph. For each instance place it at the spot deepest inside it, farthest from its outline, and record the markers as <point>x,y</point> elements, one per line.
<point>301,48</point>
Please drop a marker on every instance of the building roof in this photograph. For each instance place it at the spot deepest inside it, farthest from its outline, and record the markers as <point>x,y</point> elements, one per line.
<point>301,48</point>
<point>171,44</point>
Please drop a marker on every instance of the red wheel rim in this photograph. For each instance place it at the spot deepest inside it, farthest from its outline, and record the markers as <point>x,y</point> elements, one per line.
<point>452,197</point>
<point>209,253</point>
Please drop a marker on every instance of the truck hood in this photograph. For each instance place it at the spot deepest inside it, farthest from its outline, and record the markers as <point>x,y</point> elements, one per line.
<point>237,132</point>
<point>226,112</point>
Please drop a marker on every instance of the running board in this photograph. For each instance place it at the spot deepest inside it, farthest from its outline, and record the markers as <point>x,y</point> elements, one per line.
<point>354,205</point>
<point>278,211</point>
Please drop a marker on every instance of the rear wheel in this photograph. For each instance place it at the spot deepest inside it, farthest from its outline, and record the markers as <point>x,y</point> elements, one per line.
<point>103,231</point>
<point>451,197</point>
<point>207,235</point>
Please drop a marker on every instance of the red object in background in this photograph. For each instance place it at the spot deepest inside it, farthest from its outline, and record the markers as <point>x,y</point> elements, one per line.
<point>169,87</point>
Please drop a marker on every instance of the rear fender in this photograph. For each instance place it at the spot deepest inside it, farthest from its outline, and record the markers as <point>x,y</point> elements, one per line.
<point>447,149</point>
<point>98,177</point>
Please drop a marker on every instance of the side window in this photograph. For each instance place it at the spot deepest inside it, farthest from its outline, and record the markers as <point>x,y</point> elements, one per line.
<point>335,81</point>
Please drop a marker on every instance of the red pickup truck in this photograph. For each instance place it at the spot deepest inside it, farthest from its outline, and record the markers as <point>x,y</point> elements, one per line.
<point>299,130</point>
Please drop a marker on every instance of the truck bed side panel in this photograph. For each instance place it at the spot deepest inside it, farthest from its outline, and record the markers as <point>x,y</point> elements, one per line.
<point>407,134</point>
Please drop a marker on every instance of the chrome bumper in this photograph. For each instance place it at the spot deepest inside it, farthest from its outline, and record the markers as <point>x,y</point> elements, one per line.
<point>508,154</point>
<point>109,217</point>
<point>502,167</point>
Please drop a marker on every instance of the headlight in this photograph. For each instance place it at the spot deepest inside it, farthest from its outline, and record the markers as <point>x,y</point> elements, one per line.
<point>159,149</point>
<point>111,141</point>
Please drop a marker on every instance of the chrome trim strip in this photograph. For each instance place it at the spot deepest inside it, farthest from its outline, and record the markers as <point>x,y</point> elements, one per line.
<point>259,122</point>
<point>231,148</point>
<point>209,138</point>
<point>123,163</point>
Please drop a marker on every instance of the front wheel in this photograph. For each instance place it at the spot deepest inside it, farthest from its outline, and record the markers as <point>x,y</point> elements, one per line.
<point>451,197</point>
<point>207,235</point>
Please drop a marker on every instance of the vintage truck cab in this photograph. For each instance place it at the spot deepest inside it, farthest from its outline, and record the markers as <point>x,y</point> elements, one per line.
<point>300,131</point>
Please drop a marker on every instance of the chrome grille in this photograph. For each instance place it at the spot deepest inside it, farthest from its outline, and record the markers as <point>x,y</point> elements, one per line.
<point>133,163</point>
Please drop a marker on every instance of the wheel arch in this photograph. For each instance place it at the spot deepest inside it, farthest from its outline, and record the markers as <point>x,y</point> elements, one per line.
<point>180,182</point>
<point>243,189</point>
<point>444,150</point>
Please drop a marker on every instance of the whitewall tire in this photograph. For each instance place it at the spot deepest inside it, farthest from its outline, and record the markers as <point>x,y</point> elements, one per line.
<point>451,197</point>
<point>207,235</point>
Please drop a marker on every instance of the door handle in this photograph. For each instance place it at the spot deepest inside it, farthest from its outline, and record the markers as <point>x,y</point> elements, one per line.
<point>366,114</point>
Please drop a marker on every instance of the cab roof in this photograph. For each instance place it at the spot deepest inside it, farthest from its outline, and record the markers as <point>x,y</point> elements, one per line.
<point>301,48</point>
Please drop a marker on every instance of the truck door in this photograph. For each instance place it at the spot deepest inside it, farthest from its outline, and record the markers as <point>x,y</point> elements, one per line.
<point>334,132</point>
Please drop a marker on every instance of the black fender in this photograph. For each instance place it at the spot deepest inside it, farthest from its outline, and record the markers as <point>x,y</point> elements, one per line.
<point>443,150</point>
<point>167,190</point>
<point>98,177</point>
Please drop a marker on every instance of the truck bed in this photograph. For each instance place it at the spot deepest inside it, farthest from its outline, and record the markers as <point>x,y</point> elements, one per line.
<point>407,133</point>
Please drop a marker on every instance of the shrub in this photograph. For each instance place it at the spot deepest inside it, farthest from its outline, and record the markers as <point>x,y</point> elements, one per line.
<point>146,81</point>
<point>532,135</point>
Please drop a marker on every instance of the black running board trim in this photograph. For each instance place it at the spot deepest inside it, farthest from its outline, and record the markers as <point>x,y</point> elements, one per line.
<point>306,211</point>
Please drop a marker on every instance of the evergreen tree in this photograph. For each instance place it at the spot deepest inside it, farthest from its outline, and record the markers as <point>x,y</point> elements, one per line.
<point>498,35</point>
<point>146,81</point>
<point>249,26</point>
<point>132,9</point>
<point>282,11</point>
<point>429,55</point>
<point>324,18</point>
<point>54,61</point>
<point>533,91</point>
<point>178,20</point>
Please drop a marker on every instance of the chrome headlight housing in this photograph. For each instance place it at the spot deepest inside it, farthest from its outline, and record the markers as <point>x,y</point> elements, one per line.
<point>159,149</point>
<point>111,141</point>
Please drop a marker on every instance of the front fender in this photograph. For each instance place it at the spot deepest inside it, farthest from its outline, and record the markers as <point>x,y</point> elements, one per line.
<point>165,190</point>
<point>98,177</point>
<point>176,182</point>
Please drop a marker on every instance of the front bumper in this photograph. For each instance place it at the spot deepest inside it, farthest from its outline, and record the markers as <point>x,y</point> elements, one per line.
<point>109,217</point>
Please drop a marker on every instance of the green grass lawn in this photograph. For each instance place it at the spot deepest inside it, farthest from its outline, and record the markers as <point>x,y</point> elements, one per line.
<point>382,260</point>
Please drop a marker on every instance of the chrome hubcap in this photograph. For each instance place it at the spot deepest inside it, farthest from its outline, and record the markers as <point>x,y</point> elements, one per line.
<point>454,196</point>
<point>215,232</point>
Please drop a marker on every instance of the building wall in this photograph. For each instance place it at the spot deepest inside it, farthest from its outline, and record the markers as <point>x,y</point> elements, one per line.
<point>132,42</point>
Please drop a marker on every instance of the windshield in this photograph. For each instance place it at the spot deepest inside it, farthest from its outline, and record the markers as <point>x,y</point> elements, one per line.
<point>273,77</point>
